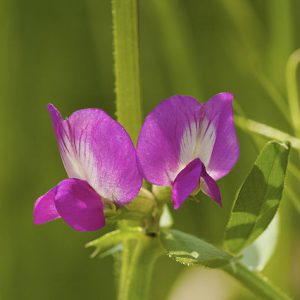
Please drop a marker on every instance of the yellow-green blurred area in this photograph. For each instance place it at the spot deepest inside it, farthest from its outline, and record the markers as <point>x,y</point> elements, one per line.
<point>60,51</point>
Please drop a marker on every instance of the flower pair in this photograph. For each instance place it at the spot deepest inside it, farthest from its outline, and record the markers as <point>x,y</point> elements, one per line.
<point>182,143</point>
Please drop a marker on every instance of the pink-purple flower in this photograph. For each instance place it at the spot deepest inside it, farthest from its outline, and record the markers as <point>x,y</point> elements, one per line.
<point>188,145</point>
<point>100,160</point>
<point>182,143</point>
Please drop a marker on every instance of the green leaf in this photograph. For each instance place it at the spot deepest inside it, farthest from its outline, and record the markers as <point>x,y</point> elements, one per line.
<point>189,250</point>
<point>257,255</point>
<point>258,198</point>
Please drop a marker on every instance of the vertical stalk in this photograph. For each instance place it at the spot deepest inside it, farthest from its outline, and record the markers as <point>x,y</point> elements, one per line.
<point>292,89</point>
<point>137,262</point>
<point>126,55</point>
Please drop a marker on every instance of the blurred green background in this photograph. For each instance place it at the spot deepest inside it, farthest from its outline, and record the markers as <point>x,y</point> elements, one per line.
<point>60,51</point>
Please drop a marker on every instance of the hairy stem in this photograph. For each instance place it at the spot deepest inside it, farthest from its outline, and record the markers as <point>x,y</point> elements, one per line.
<point>126,55</point>
<point>135,263</point>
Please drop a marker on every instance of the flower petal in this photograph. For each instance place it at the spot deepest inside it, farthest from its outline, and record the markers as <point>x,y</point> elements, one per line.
<point>96,148</point>
<point>210,187</point>
<point>44,208</point>
<point>79,205</point>
<point>218,110</point>
<point>186,182</point>
<point>160,139</point>
<point>180,130</point>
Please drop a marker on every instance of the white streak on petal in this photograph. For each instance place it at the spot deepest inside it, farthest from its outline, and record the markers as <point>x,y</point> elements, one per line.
<point>71,162</point>
<point>78,160</point>
<point>83,165</point>
<point>197,141</point>
<point>98,150</point>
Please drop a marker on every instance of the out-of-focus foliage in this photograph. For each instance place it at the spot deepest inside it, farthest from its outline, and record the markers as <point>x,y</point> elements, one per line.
<point>61,51</point>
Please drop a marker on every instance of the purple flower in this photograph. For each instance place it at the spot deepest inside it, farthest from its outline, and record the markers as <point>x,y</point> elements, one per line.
<point>188,145</point>
<point>100,160</point>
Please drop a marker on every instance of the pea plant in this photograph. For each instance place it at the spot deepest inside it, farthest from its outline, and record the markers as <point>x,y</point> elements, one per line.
<point>130,173</point>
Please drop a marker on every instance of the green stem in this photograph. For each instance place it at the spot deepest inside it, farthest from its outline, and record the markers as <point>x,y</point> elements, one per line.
<point>255,282</point>
<point>126,55</point>
<point>267,131</point>
<point>135,263</point>
<point>136,266</point>
<point>292,89</point>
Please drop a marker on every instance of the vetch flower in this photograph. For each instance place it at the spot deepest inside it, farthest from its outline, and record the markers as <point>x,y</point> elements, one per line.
<point>100,160</point>
<point>188,145</point>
